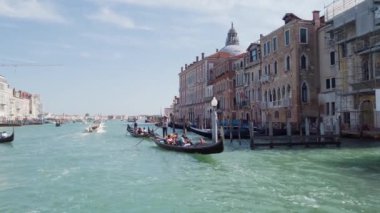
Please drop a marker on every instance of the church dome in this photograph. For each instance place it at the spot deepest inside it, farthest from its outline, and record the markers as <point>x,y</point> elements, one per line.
<point>233,49</point>
<point>232,43</point>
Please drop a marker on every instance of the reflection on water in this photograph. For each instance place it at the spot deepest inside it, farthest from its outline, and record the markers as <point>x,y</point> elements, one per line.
<point>9,145</point>
<point>204,159</point>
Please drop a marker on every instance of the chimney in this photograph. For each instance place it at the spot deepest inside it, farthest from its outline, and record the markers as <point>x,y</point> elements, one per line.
<point>217,50</point>
<point>181,69</point>
<point>197,59</point>
<point>316,18</point>
<point>203,56</point>
<point>185,66</point>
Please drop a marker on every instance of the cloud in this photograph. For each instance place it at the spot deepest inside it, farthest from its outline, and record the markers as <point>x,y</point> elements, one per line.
<point>30,9</point>
<point>107,15</point>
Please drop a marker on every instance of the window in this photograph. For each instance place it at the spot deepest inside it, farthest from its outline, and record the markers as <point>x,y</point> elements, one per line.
<point>346,117</point>
<point>265,70</point>
<point>303,62</point>
<point>266,96</point>
<point>303,36</point>
<point>268,69</point>
<point>333,83</point>
<point>274,41</point>
<point>332,58</point>
<point>268,47</point>
<point>344,50</point>
<point>275,67</point>
<point>287,63</point>
<point>270,96</point>
<point>287,38</point>
<point>332,108</point>
<point>253,55</point>
<point>327,108</point>
<point>328,83</point>
<point>265,49</point>
<point>304,93</point>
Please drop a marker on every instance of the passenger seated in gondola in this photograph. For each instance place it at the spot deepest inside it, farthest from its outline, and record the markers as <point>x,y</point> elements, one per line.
<point>202,141</point>
<point>4,134</point>
<point>182,140</point>
<point>139,131</point>
<point>187,141</point>
<point>169,140</point>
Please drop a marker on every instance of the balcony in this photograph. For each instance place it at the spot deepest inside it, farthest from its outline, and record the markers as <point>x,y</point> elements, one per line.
<point>276,104</point>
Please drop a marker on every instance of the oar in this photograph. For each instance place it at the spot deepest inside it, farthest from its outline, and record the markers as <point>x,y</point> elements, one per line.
<point>139,142</point>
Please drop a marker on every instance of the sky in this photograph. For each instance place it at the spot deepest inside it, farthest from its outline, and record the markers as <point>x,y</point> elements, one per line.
<point>123,56</point>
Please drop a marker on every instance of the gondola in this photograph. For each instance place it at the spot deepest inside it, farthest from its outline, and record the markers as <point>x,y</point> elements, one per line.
<point>209,148</point>
<point>8,139</point>
<point>203,132</point>
<point>132,132</point>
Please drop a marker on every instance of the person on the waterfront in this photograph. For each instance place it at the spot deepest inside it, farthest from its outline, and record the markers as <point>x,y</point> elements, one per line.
<point>165,125</point>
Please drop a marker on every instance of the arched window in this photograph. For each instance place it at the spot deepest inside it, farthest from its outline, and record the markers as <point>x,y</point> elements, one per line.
<point>303,62</point>
<point>283,91</point>
<point>279,94</point>
<point>304,95</point>
<point>287,63</point>
<point>275,67</point>
<point>274,94</point>
<point>276,114</point>
<point>270,96</point>
<point>289,92</point>
<point>266,96</point>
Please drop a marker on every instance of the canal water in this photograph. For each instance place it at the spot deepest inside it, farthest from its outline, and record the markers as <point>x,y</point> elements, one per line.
<point>62,169</point>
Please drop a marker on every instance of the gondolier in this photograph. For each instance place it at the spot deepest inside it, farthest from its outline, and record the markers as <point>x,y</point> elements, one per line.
<point>165,125</point>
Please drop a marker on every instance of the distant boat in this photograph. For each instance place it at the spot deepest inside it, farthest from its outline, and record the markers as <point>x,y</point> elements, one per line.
<point>57,123</point>
<point>97,126</point>
<point>7,138</point>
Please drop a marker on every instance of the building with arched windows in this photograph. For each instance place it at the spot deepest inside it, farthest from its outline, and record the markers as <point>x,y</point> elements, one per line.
<point>289,78</point>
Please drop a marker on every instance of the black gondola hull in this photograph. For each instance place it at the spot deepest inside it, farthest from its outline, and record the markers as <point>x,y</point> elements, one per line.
<point>7,139</point>
<point>198,148</point>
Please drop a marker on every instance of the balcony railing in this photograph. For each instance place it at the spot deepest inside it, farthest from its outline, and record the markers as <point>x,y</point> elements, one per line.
<point>287,102</point>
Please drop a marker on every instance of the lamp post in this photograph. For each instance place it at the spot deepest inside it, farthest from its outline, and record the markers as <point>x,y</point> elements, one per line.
<point>214,120</point>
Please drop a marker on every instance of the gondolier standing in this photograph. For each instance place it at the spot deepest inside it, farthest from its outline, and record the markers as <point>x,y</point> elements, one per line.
<point>165,125</point>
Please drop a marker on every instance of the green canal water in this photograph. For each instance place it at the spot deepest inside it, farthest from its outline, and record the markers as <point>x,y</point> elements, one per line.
<point>62,169</point>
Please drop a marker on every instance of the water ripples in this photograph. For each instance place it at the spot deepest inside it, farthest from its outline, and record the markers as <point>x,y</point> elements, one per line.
<point>62,169</point>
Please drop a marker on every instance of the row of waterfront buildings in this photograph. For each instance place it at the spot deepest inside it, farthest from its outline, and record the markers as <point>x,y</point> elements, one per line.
<point>17,105</point>
<point>326,69</point>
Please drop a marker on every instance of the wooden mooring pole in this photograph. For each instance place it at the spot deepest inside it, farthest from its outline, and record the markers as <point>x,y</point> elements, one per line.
<point>251,136</point>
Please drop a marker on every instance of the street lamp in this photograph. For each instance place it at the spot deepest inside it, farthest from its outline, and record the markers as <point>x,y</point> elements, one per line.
<point>214,118</point>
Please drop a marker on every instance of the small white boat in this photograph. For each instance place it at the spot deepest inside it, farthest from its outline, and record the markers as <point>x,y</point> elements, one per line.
<point>96,126</point>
